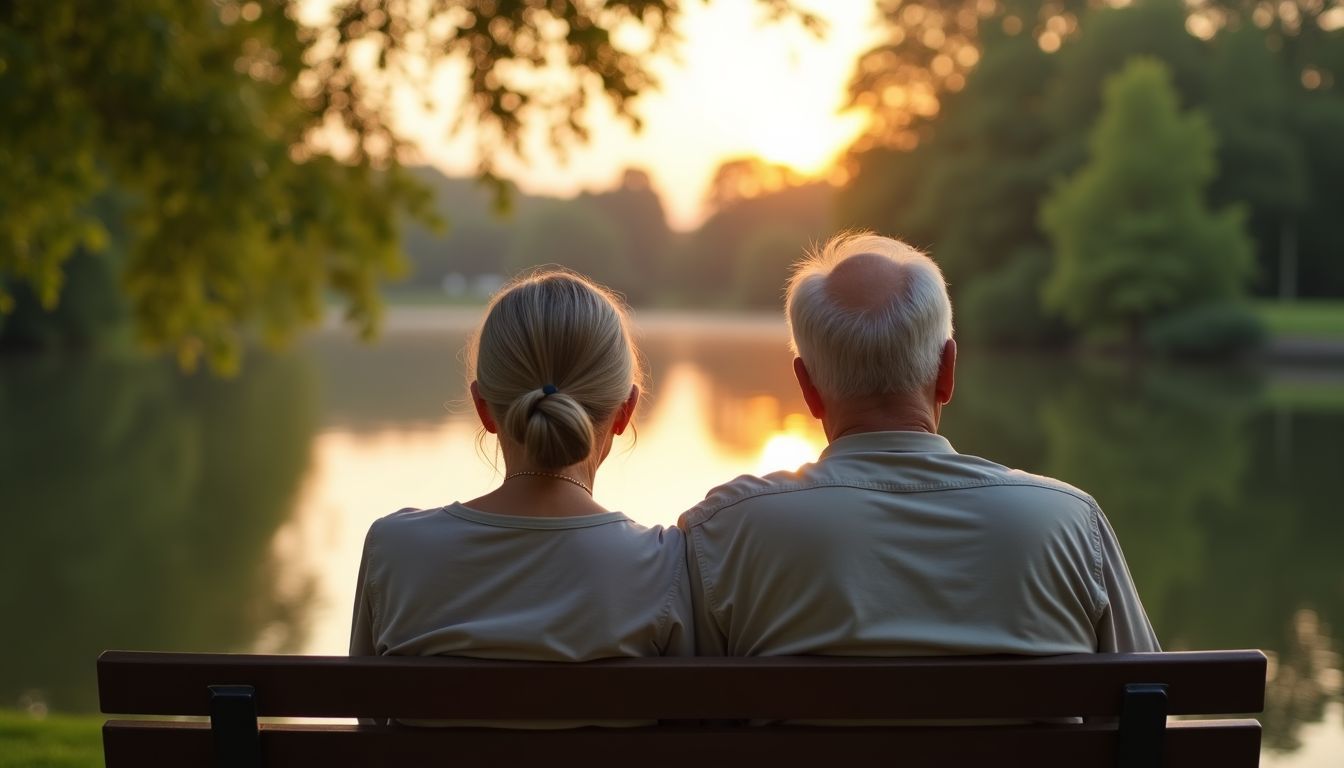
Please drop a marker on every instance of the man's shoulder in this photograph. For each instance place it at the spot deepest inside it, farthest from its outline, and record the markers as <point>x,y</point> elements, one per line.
<point>1045,483</point>
<point>984,477</point>
<point>738,490</point>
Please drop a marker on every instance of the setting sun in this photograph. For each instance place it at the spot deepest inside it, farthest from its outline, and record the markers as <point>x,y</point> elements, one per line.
<point>807,145</point>
<point>739,86</point>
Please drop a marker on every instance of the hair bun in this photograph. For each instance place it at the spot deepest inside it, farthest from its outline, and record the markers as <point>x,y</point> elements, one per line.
<point>554,429</point>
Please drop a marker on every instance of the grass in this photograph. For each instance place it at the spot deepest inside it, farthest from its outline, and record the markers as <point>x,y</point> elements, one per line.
<point>1305,318</point>
<point>56,741</point>
<point>1306,395</point>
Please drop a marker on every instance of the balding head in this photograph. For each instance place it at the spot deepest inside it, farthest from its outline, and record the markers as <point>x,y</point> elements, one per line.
<point>865,282</point>
<point>869,315</point>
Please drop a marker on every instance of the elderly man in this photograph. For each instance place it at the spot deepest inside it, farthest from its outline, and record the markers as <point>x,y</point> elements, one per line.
<point>892,543</point>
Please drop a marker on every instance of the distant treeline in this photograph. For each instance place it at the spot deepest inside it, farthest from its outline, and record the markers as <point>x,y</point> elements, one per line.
<point>1122,176</point>
<point>738,258</point>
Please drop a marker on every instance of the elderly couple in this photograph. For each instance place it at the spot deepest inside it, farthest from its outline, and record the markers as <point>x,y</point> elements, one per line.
<point>891,543</point>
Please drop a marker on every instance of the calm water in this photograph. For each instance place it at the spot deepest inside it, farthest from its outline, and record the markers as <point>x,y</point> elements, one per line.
<point>141,510</point>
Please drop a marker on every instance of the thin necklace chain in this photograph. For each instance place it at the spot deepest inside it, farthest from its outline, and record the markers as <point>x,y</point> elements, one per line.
<point>557,476</point>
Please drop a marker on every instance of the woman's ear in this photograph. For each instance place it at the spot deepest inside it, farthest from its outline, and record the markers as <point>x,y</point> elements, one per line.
<point>483,410</point>
<point>626,411</point>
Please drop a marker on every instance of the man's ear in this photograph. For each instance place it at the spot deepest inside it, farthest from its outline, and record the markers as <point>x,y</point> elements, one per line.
<point>947,373</point>
<point>810,393</point>
<point>483,410</point>
<point>626,411</point>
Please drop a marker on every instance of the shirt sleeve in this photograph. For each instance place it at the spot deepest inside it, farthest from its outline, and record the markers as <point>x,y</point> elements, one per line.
<point>1123,626</point>
<point>361,625</point>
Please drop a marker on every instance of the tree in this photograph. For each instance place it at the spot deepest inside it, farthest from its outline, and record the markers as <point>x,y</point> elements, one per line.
<point>763,264</point>
<point>256,146</point>
<point>1319,124</point>
<point>969,191</point>
<point>707,267</point>
<point>636,210</point>
<point>932,46</point>
<point>1133,236</point>
<point>1108,41</point>
<point>966,181</point>
<point>743,178</point>
<point>574,234</point>
<point>1261,162</point>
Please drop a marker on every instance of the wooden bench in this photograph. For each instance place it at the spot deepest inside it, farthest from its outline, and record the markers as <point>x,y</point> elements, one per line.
<point>699,702</point>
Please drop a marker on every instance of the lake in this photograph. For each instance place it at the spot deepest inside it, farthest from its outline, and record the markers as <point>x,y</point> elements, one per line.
<point>146,510</point>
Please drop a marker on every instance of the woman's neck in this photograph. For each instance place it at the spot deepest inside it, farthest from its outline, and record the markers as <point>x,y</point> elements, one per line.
<point>529,491</point>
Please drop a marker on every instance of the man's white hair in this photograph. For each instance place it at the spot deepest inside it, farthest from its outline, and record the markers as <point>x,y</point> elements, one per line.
<point>891,346</point>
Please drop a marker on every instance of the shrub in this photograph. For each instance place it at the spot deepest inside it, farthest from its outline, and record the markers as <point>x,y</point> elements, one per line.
<point>1004,307</point>
<point>1207,331</point>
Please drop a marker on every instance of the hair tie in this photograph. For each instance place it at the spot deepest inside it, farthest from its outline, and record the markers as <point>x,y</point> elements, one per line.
<point>548,389</point>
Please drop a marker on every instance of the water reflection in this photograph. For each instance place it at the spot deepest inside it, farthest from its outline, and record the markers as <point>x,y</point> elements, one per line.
<point>798,443</point>
<point>1164,451</point>
<point>1304,679</point>
<point>144,511</point>
<point>138,508</point>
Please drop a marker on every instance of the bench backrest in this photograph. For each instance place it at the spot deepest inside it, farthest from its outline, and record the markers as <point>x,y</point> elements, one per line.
<point>1133,693</point>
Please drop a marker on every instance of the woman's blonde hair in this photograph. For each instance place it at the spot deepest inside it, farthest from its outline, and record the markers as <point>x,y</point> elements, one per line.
<point>554,359</point>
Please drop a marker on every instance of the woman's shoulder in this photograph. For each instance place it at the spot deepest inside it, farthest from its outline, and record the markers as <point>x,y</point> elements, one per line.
<point>405,521</point>
<point>625,525</point>
<point>631,540</point>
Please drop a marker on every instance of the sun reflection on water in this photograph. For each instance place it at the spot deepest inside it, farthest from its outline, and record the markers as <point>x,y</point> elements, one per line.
<point>691,438</point>
<point>795,445</point>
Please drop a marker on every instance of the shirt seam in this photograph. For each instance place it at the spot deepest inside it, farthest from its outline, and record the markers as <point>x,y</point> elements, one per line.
<point>877,485</point>
<point>867,442</point>
<point>1099,597</point>
<point>371,590</point>
<point>665,615</point>
<point>702,569</point>
<point>622,518</point>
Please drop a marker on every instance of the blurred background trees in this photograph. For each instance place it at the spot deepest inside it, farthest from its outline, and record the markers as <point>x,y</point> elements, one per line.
<point>255,152</point>
<point>1134,241</point>
<point>968,174</point>
<point>192,119</point>
<point>191,173</point>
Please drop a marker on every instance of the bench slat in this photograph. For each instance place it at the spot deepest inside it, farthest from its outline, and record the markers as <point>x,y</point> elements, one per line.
<point>1225,743</point>
<point>1206,682</point>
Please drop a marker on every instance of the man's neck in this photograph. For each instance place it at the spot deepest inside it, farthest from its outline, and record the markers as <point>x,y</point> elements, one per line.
<point>880,414</point>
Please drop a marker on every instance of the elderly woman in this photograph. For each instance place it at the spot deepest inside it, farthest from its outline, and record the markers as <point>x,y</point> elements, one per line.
<point>535,569</point>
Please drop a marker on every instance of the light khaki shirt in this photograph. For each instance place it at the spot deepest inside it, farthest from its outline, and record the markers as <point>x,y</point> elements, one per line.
<point>893,543</point>
<point>461,582</point>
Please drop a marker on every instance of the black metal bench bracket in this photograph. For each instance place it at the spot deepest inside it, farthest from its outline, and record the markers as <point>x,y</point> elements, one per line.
<point>233,721</point>
<point>1143,725</point>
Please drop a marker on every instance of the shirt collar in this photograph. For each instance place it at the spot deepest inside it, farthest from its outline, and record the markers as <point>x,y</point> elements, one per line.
<point>889,442</point>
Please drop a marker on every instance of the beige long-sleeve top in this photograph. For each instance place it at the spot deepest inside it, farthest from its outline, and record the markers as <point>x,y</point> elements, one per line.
<point>458,581</point>
<point>892,543</point>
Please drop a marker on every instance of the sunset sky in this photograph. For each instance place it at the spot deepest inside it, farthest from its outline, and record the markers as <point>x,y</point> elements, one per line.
<point>742,86</point>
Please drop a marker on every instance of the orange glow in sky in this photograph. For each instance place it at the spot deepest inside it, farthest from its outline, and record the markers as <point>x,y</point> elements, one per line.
<point>738,86</point>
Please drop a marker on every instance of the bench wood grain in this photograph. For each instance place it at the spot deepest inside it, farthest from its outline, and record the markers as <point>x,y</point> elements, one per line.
<point>692,697</point>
